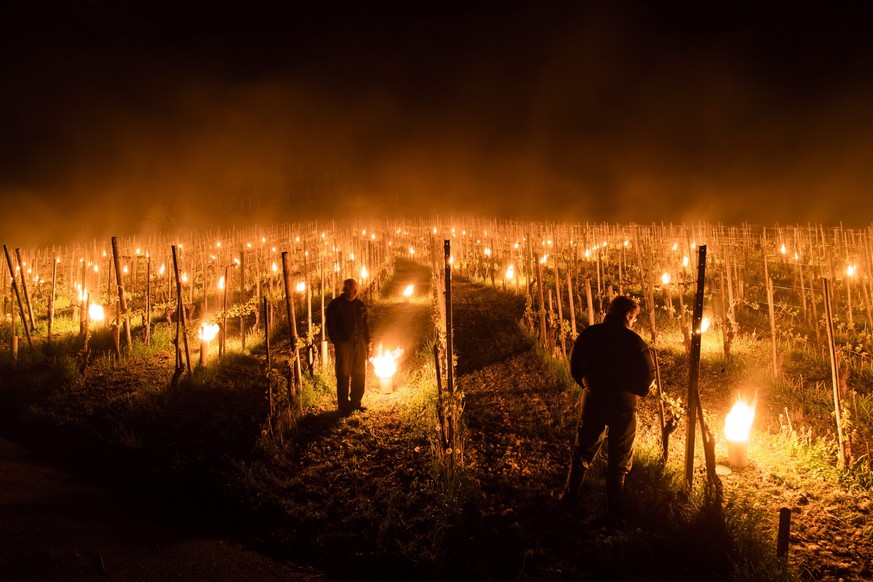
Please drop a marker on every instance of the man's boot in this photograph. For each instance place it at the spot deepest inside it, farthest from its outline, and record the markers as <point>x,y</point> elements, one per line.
<point>614,490</point>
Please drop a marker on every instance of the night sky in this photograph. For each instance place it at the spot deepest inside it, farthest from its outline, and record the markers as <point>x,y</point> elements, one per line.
<point>120,117</point>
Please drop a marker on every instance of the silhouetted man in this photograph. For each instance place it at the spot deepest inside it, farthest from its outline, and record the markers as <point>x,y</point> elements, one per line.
<point>349,332</point>
<point>613,365</point>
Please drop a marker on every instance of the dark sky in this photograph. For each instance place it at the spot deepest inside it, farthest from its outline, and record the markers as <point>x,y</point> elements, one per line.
<point>121,116</point>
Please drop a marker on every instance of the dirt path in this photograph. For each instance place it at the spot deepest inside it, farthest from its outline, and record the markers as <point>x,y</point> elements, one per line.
<point>520,420</point>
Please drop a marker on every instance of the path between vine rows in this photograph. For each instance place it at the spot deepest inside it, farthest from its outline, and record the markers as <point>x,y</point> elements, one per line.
<point>520,420</point>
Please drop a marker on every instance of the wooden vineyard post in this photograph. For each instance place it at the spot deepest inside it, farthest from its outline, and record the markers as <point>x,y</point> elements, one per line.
<point>450,376</point>
<point>665,434</point>
<point>544,335</point>
<point>296,372</point>
<point>727,333</point>
<point>324,344</point>
<point>835,378</point>
<point>695,409</point>
<point>441,411</point>
<point>450,350</point>
<point>242,298</point>
<point>29,321</point>
<point>17,296</point>
<point>181,326</point>
<point>51,305</point>
<point>147,316</point>
<point>572,304</point>
<point>269,360</point>
<point>561,333</point>
<point>122,302</point>
<point>590,302</point>
<point>772,311</point>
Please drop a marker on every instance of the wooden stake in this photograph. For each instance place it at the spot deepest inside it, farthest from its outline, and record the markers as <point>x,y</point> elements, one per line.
<point>772,311</point>
<point>22,272</point>
<point>835,380</point>
<point>784,532</point>
<point>51,306</point>
<point>297,372</point>
<point>122,301</point>
<point>181,326</point>
<point>694,406</point>
<point>18,297</point>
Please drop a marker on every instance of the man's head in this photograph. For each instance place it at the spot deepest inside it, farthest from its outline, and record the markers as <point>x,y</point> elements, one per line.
<point>623,309</point>
<point>350,289</point>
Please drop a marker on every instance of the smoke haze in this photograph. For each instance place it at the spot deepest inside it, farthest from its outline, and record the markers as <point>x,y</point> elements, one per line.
<point>121,120</point>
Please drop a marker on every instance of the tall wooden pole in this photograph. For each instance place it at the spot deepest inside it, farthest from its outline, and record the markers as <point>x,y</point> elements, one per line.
<point>292,319</point>
<point>181,326</point>
<point>835,373</point>
<point>694,369</point>
<point>122,301</point>
<point>29,320</point>
<point>17,296</point>
<point>51,306</point>
<point>450,348</point>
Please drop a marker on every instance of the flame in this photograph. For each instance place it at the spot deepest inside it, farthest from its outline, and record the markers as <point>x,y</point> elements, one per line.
<point>704,324</point>
<point>364,273</point>
<point>221,282</point>
<point>783,250</point>
<point>301,287</point>
<point>385,363</point>
<point>738,422</point>
<point>510,271</point>
<point>685,261</point>
<point>665,278</point>
<point>208,331</point>
<point>851,270</point>
<point>408,291</point>
<point>95,312</point>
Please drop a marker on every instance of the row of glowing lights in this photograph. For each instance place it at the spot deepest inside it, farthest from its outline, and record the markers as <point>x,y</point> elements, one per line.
<point>851,269</point>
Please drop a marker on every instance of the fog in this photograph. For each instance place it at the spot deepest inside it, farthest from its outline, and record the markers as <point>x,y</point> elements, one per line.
<point>122,123</point>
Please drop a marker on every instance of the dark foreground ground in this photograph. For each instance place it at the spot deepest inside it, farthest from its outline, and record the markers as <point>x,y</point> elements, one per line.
<point>57,527</point>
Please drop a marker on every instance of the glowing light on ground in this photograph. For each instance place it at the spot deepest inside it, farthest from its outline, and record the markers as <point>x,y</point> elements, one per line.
<point>737,426</point>
<point>385,365</point>
<point>95,312</point>
<point>208,331</point>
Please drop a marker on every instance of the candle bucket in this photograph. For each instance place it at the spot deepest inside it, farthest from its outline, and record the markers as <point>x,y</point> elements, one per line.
<point>738,453</point>
<point>386,385</point>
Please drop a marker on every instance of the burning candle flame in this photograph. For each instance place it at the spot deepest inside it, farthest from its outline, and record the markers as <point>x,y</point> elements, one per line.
<point>208,331</point>
<point>738,422</point>
<point>95,312</point>
<point>385,362</point>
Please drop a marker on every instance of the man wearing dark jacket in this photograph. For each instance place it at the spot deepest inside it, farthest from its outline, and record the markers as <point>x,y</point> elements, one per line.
<point>347,328</point>
<point>615,369</point>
